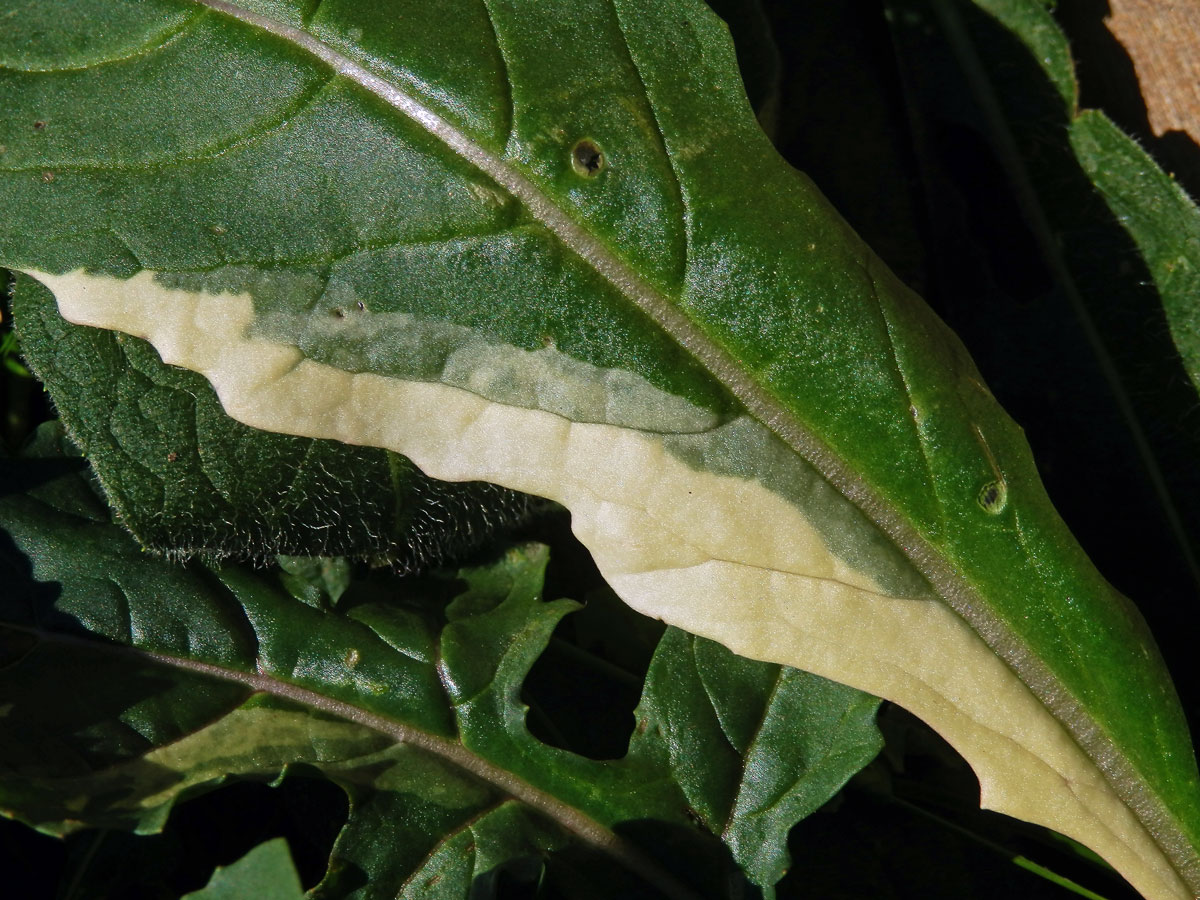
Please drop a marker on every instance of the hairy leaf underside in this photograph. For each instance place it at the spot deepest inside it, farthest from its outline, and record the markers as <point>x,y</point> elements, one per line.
<point>546,246</point>
<point>132,682</point>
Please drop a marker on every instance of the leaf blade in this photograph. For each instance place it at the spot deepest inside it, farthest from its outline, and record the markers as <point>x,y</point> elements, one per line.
<point>266,871</point>
<point>192,723</point>
<point>766,778</point>
<point>922,444</point>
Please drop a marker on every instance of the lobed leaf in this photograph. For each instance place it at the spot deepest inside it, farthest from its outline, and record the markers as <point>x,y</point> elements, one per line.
<point>131,683</point>
<point>555,252</point>
<point>748,773</point>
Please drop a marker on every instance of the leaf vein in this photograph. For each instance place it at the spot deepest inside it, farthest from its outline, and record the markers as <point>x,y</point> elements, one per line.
<point>159,42</point>
<point>750,751</point>
<point>260,131</point>
<point>307,18</point>
<point>922,442</point>
<point>661,135</point>
<point>449,835</point>
<point>511,111</point>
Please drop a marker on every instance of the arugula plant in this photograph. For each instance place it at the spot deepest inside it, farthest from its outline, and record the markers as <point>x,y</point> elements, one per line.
<point>549,248</point>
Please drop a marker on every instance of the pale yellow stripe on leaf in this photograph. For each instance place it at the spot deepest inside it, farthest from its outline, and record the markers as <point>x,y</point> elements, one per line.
<point>719,556</point>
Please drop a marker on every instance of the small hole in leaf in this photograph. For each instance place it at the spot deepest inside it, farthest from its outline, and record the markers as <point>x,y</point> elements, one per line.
<point>587,159</point>
<point>993,497</point>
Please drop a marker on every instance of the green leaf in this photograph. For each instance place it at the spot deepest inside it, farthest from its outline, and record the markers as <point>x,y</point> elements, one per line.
<point>186,479</point>
<point>165,680</point>
<point>9,352</point>
<point>168,703</point>
<point>1160,217</point>
<point>1113,237</point>
<point>1056,879</point>
<point>748,773</point>
<point>265,872</point>
<point>553,250</point>
<point>316,580</point>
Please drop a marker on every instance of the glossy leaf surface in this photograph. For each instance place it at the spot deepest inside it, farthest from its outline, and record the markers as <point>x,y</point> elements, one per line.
<point>732,715</point>
<point>180,677</point>
<point>634,308</point>
<point>1084,269</point>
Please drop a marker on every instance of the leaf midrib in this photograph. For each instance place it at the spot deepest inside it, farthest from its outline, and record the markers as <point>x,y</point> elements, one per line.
<point>665,312</point>
<point>570,818</point>
<point>661,309</point>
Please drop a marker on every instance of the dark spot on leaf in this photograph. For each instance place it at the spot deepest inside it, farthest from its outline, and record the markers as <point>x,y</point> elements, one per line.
<point>172,456</point>
<point>587,159</point>
<point>338,312</point>
<point>993,497</point>
<point>39,125</point>
<point>47,177</point>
